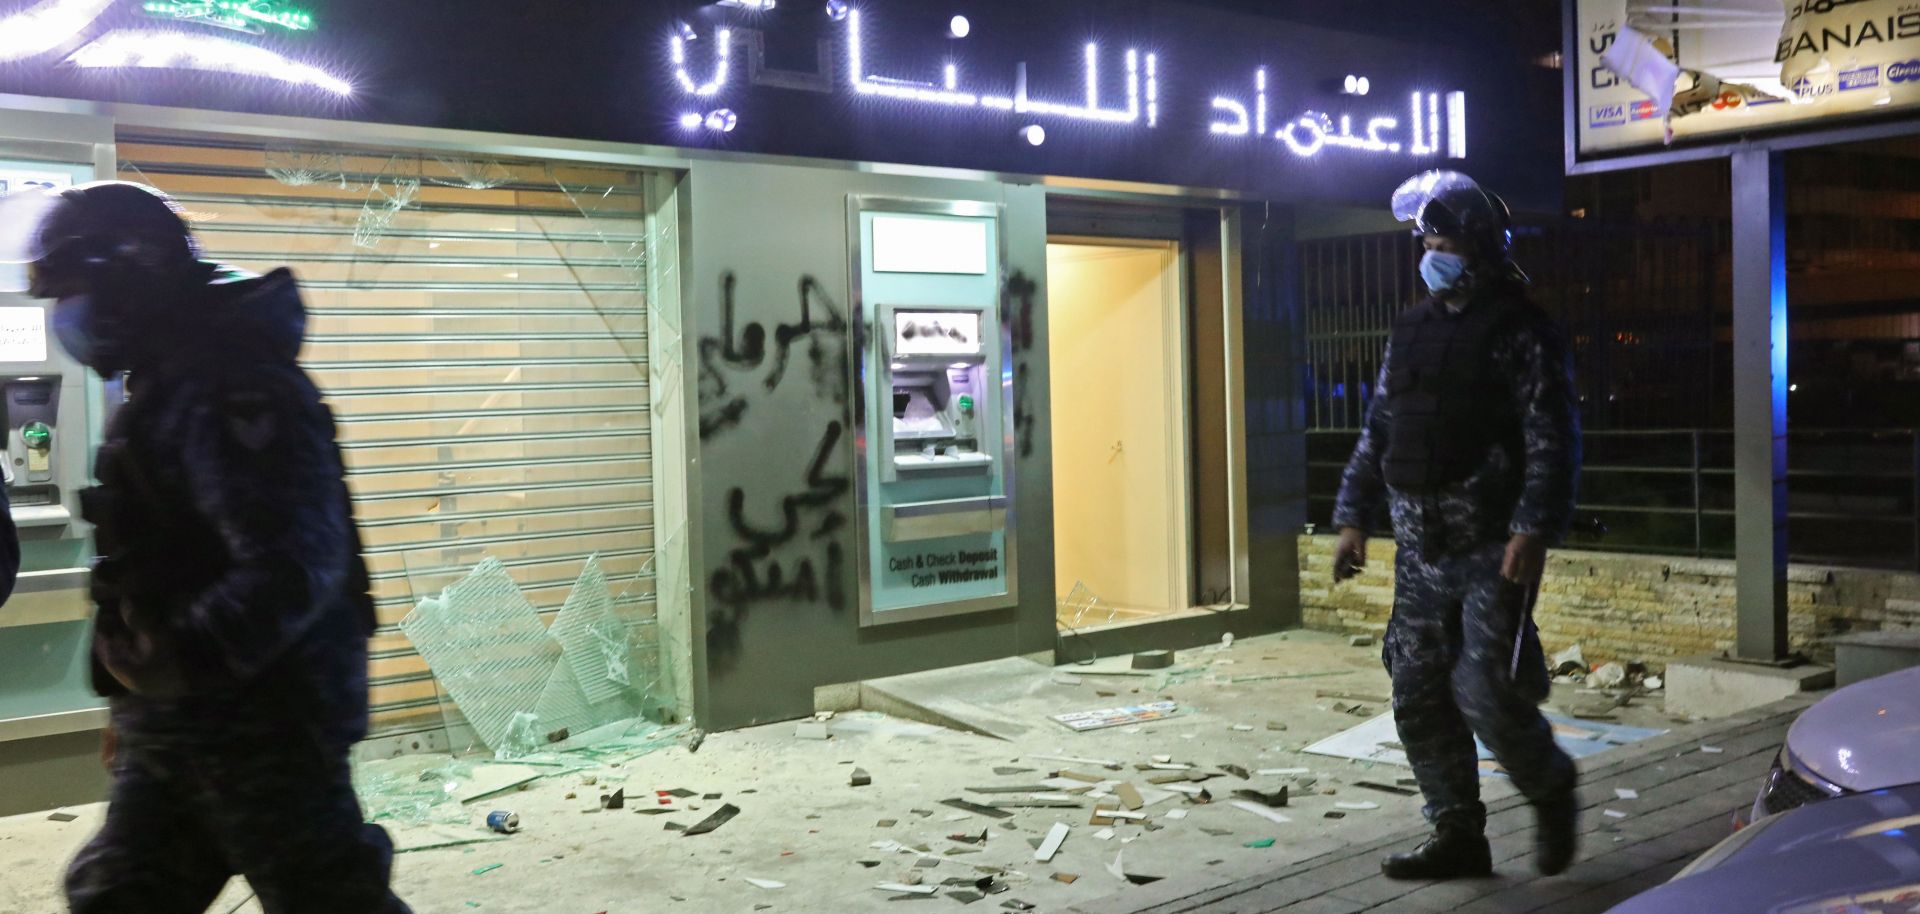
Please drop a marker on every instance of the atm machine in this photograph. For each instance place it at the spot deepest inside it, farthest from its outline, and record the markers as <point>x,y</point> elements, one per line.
<point>52,409</point>
<point>935,449</point>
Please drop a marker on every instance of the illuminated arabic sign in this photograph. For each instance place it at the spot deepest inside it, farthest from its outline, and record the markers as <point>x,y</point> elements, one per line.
<point>1431,124</point>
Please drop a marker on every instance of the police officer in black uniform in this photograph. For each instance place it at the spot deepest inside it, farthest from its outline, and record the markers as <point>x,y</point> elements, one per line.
<point>1472,442</point>
<point>230,637</point>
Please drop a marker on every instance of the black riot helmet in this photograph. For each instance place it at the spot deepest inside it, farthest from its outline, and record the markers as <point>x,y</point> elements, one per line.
<point>1452,205</point>
<point>84,235</point>
<point>116,256</point>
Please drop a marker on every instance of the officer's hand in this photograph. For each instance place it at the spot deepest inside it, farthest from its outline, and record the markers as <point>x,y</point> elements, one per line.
<point>1350,554</point>
<point>1526,559</point>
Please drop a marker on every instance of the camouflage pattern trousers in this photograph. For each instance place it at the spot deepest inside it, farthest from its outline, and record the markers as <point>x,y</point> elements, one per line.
<point>280,812</point>
<point>1450,649</point>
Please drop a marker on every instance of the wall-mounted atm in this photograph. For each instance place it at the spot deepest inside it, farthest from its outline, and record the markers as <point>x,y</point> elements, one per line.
<point>50,410</point>
<point>935,448</point>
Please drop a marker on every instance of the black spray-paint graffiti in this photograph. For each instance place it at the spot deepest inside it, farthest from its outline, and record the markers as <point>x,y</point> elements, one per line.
<point>1017,304</point>
<point>723,403</point>
<point>800,558</point>
<point>746,580</point>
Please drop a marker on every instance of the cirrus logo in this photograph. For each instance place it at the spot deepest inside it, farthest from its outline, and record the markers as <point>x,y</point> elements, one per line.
<point>1904,71</point>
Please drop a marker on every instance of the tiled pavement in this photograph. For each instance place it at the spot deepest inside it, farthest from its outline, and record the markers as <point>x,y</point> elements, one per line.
<point>1686,799</point>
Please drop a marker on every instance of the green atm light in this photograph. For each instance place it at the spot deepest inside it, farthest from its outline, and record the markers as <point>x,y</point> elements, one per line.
<point>37,436</point>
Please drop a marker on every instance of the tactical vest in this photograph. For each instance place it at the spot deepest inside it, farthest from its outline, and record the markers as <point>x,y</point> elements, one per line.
<point>1447,404</point>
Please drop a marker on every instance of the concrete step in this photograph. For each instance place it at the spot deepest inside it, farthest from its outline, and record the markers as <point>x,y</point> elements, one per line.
<point>1864,655</point>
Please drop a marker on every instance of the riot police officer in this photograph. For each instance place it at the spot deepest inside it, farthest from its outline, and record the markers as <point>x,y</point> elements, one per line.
<point>1472,442</point>
<point>232,608</point>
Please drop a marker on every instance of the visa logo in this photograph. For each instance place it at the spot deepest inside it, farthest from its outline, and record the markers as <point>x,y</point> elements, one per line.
<point>1606,115</point>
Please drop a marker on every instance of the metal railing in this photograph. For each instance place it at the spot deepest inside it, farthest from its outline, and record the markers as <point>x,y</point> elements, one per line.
<point>1853,494</point>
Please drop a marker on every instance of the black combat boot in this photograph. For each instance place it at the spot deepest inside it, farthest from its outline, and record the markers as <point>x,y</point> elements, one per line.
<point>1557,834</point>
<point>1455,851</point>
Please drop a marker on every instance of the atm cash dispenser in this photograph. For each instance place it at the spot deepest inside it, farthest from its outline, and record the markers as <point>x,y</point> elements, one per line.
<point>935,449</point>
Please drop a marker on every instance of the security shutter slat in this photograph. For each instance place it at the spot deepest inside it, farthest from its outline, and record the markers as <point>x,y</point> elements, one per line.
<point>484,358</point>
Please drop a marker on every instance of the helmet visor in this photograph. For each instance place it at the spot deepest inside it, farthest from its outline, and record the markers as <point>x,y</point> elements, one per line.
<point>22,217</point>
<point>1410,201</point>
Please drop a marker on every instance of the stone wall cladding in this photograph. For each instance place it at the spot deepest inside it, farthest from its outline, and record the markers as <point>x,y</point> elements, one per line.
<point>1624,606</point>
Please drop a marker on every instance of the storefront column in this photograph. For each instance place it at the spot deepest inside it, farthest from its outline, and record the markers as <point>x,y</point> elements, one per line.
<point>1760,403</point>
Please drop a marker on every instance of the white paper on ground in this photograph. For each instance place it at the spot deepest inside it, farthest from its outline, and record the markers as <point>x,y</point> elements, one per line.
<point>1356,805</point>
<point>1176,814</point>
<point>1261,811</point>
<point>1192,790</point>
<point>1105,834</point>
<point>1268,772</point>
<point>908,889</point>
<point>1712,750</point>
<point>1615,814</point>
<point>765,883</point>
<point>1626,793</point>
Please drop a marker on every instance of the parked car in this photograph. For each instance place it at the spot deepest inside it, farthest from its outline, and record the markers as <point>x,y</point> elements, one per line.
<point>1862,738</point>
<point>1835,828</point>
<point>1855,854</point>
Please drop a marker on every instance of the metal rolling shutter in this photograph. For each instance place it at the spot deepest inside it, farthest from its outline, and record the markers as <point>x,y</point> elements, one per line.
<point>483,347</point>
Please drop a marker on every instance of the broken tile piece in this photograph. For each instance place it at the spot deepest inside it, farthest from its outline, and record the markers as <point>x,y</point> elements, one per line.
<point>1712,750</point>
<point>765,883</point>
<point>1105,834</point>
<point>1626,793</point>
<point>1263,812</point>
<point>1263,842</point>
<point>1056,836</point>
<point>1358,806</point>
<point>1335,814</point>
<point>1067,878</point>
<point>1176,814</point>
<point>811,729</point>
<point>904,889</point>
<point>1615,814</point>
<point>720,817</point>
<point>860,778</point>
<point>1004,770</point>
<point>61,817</point>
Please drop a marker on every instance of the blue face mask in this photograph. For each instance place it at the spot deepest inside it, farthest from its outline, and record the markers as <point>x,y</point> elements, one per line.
<point>1442,271</point>
<point>72,317</point>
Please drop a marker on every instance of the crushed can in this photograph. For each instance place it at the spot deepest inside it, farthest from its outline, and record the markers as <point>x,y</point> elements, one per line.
<point>503,821</point>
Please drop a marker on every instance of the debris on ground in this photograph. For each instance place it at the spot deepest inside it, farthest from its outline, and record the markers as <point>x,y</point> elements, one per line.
<point>1102,718</point>
<point>1153,660</point>
<point>720,817</point>
<point>1387,788</point>
<point>1262,842</point>
<point>1276,799</point>
<point>1056,836</point>
<point>1608,676</point>
<point>860,778</point>
<point>1360,641</point>
<point>765,883</point>
<point>1261,810</point>
<point>1569,663</point>
<point>811,729</point>
<point>61,816</point>
<point>1356,805</point>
